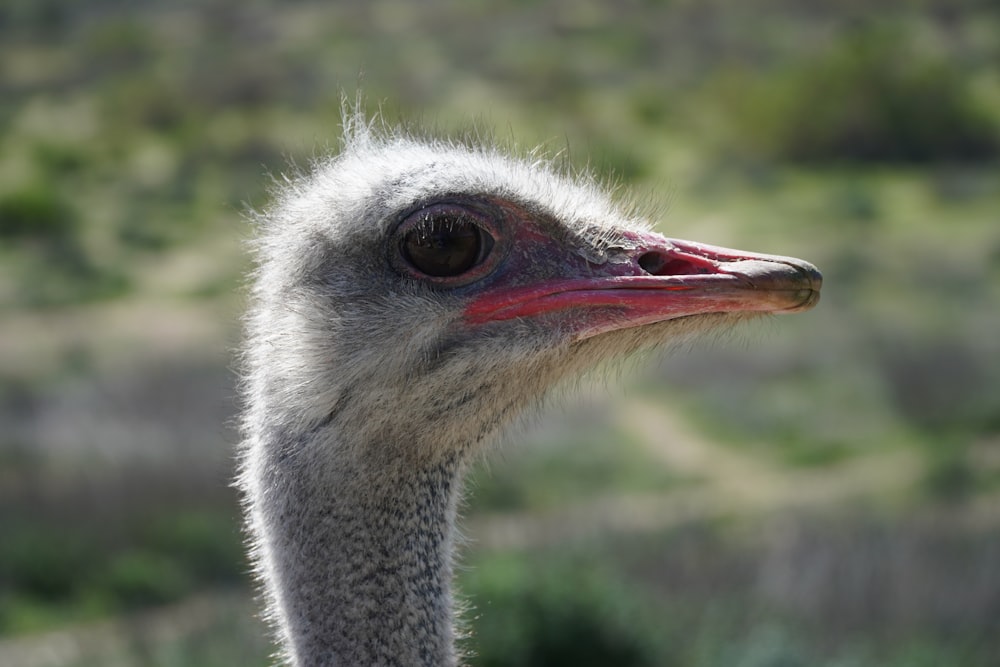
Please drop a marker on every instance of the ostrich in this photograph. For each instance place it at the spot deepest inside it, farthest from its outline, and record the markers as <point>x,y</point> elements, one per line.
<point>411,298</point>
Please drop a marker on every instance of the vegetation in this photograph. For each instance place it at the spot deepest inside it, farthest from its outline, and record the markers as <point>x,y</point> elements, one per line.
<point>830,502</point>
<point>871,97</point>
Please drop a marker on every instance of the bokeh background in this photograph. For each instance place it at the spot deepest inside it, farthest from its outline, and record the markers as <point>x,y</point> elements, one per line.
<point>820,490</point>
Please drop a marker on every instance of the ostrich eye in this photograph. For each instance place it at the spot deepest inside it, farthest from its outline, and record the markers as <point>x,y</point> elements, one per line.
<point>445,243</point>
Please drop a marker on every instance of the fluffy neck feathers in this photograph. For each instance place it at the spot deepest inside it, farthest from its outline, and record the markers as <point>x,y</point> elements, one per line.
<point>359,560</point>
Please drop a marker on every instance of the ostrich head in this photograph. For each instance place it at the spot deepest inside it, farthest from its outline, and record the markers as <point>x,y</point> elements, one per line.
<point>421,293</point>
<point>411,298</point>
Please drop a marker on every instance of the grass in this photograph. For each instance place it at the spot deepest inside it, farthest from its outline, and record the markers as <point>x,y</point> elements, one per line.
<point>585,459</point>
<point>81,562</point>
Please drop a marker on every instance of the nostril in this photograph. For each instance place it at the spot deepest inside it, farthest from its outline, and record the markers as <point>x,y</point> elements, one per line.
<point>652,263</point>
<point>662,264</point>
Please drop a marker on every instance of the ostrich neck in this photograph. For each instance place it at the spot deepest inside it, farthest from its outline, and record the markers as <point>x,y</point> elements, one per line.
<point>360,563</point>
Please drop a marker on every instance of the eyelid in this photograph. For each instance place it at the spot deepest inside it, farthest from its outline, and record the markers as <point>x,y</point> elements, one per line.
<point>428,222</point>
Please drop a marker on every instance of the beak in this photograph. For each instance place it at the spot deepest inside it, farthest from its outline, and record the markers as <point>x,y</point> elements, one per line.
<point>656,279</point>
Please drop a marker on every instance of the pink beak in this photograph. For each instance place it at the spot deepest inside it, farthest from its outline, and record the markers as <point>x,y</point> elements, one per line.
<point>656,280</point>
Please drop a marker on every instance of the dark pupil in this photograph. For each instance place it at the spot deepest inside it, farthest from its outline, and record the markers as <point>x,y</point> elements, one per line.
<point>444,246</point>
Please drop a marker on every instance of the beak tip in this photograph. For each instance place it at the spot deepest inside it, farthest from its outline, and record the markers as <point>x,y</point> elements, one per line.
<point>807,299</point>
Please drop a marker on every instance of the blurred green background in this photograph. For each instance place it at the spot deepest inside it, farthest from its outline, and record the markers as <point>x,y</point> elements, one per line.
<point>821,490</point>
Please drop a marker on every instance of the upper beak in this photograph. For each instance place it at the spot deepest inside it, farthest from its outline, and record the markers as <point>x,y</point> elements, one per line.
<point>657,279</point>
<point>786,283</point>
